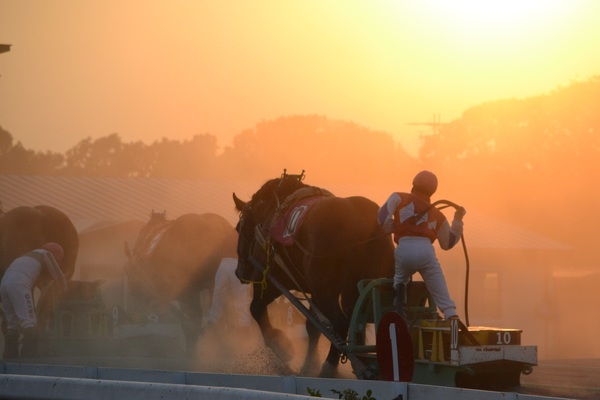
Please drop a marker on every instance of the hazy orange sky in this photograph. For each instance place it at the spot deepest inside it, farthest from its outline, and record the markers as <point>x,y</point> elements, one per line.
<point>152,69</point>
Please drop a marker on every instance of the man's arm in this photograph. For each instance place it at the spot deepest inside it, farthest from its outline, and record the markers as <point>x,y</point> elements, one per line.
<point>385,216</point>
<point>448,235</point>
<point>54,270</point>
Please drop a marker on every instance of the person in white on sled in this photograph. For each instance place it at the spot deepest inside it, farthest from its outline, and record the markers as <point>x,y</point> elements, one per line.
<point>16,291</point>
<point>416,226</point>
<point>229,290</point>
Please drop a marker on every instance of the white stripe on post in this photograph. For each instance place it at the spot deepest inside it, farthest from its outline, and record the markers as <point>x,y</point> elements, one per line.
<point>394,352</point>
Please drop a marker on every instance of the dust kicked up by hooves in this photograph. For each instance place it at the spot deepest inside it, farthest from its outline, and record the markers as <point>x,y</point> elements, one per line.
<point>236,351</point>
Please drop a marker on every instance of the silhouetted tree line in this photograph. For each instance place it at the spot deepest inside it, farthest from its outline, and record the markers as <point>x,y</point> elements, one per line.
<point>549,138</point>
<point>545,139</point>
<point>110,157</point>
<point>337,150</point>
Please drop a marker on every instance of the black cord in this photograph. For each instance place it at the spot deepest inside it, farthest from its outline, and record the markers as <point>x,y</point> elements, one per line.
<point>445,204</point>
<point>464,245</point>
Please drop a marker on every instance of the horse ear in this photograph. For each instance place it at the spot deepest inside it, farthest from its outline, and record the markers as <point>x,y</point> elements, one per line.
<point>239,204</point>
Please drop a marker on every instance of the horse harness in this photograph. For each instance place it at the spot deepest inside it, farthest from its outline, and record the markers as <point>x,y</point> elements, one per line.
<point>264,237</point>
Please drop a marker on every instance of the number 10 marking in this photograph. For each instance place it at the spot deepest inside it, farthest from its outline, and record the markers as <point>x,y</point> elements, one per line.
<point>503,338</point>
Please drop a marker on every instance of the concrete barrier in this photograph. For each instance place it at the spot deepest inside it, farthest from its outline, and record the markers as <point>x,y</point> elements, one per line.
<point>53,388</point>
<point>40,381</point>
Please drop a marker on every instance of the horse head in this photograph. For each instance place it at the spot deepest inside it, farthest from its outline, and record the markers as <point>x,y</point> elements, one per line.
<point>144,245</point>
<point>256,217</point>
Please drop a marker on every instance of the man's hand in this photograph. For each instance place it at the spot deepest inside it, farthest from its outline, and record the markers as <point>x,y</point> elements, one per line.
<point>459,213</point>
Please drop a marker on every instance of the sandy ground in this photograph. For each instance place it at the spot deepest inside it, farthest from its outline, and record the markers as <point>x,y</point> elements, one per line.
<point>575,379</point>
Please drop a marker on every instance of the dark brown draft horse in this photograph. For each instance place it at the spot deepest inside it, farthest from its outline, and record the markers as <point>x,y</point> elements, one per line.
<point>25,228</point>
<point>338,244</point>
<point>174,260</point>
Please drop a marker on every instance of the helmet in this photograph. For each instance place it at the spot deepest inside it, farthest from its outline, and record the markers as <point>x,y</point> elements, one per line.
<point>425,182</point>
<point>56,250</point>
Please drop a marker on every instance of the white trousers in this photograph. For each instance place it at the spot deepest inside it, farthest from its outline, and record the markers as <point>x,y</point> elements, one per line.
<point>416,254</point>
<point>16,291</point>
<point>229,289</point>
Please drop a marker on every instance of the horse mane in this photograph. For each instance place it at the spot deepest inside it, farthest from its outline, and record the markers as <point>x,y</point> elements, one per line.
<point>280,187</point>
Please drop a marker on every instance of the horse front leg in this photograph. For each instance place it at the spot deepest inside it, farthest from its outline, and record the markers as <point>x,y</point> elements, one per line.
<point>311,362</point>
<point>340,321</point>
<point>274,338</point>
<point>191,318</point>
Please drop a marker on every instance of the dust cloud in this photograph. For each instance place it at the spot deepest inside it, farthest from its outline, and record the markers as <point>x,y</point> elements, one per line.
<point>529,239</point>
<point>527,270</point>
<point>154,338</point>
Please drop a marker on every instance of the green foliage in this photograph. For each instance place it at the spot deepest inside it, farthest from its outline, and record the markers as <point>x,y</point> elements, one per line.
<point>347,394</point>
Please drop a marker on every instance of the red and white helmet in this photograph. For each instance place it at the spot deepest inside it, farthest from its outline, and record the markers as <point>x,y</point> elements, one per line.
<point>425,182</point>
<point>56,250</point>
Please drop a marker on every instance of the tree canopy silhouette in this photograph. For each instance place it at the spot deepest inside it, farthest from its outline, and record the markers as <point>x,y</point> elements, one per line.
<point>334,151</point>
<point>529,157</point>
<point>16,159</point>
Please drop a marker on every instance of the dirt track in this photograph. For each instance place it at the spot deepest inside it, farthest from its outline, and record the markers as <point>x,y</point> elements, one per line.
<point>576,379</point>
<point>245,354</point>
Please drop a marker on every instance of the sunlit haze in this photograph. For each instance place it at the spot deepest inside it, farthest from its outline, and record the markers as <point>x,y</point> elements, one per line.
<point>148,70</point>
<point>498,97</point>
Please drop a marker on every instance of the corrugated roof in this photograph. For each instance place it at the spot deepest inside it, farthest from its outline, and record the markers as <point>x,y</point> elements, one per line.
<point>92,203</point>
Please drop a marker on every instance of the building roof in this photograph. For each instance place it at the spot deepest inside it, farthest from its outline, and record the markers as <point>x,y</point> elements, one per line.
<point>95,203</point>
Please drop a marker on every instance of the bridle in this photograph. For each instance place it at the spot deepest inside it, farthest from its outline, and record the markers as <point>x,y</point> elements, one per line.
<point>261,231</point>
<point>260,234</point>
